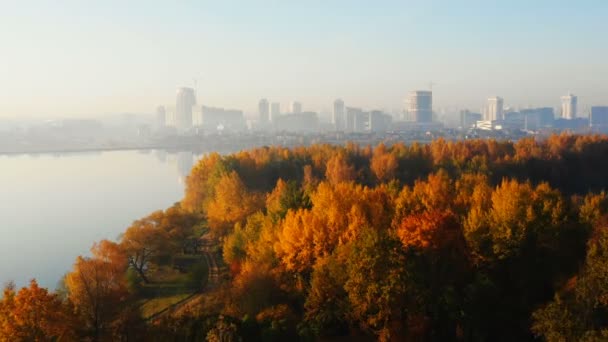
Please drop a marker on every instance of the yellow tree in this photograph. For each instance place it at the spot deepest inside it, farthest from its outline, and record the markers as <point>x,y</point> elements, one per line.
<point>201,182</point>
<point>232,203</point>
<point>384,164</point>
<point>339,169</point>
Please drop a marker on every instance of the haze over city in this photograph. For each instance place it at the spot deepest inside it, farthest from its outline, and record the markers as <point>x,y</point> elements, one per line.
<point>84,59</point>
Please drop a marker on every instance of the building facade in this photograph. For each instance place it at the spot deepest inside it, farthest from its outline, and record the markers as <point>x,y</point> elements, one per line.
<point>275,111</point>
<point>337,118</point>
<point>296,107</point>
<point>264,111</point>
<point>495,111</point>
<point>569,106</point>
<point>420,106</point>
<point>184,102</point>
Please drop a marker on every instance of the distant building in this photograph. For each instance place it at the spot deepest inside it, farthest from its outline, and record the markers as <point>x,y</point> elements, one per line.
<point>378,121</point>
<point>220,119</point>
<point>513,120</point>
<point>537,118</point>
<point>302,122</point>
<point>296,107</point>
<point>161,117</point>
<point>576,124</point>
<point>469,119</point>
<point>599,118</point>
<point>275,111</point>
<point>569,104</point>
<point>495,111</point>
<point>264,111</point>
<point>420,105</point>
<point>489,125</point>
<point>356,120</point>
<point>183,108</point>
<point>338,116</point>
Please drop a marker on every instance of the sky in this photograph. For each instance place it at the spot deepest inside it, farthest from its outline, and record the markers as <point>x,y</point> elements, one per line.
<point>79,58</point>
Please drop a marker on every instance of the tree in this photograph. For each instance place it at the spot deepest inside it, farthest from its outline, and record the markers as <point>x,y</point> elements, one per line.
<point>384,164</point>
<point>223,331</point>
<point>232,203</point>
<point>339,169</point>
<point>142,242</point>
<point>97,288</point>
<point>285,196</point>
<point>326,306</point>
<point>578,311</point>
<point>34,314</point>
<point>378,286</point>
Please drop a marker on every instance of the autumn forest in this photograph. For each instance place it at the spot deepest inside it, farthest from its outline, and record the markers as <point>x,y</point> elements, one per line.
<point>477,240</point>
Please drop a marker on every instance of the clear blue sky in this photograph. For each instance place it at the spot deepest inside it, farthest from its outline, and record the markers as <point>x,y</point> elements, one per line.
<point>94,57</point>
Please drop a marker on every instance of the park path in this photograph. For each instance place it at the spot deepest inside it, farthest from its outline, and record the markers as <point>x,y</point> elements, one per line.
<point>206,249</point>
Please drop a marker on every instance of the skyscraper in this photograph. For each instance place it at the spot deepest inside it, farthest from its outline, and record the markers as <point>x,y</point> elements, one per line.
<point>495,110</point>
<point>275,111</point>
<point>569,104</point>
<point>183,108</point>
<point>420,105</point>
<point>338,115</point>
<point>296,107</point>
<point>264,110</point>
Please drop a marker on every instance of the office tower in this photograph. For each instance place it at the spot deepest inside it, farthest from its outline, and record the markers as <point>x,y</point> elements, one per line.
<point>183,108</point>
<point>569,103</point>
<point>337,118</point>
<point>275,111</point>
<point>161,117</point>
<point>296,107</point>
<point>495,110</point>
<point>420,105</point>
<point>264,111</point>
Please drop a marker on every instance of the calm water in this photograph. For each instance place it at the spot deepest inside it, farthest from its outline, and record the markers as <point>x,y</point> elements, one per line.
<point>53,207</point>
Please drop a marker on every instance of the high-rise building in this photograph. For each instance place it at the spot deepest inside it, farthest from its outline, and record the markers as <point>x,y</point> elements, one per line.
<point>296,107</point>
<point>275,111</point>
<point>569,104</point>
<point>420,105</point>
<point>264,110</point>
<point>337,118</point>
<point>183,108</point>
<point>161,117</point>
<point>495,111</point>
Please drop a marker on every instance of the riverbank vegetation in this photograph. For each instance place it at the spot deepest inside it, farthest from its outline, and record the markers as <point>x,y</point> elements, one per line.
<point>472,241</point>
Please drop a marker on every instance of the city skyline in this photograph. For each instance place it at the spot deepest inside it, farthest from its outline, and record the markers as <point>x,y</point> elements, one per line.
<point>75,59</point>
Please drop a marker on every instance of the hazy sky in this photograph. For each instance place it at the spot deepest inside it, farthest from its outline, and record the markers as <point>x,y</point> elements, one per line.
<point>93,57</point>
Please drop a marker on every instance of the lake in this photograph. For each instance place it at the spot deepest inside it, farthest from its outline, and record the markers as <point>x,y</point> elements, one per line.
<point>53,207</point>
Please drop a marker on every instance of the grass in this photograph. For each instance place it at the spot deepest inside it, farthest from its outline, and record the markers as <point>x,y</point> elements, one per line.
<point>151,306</point>
<point>169,286</point>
